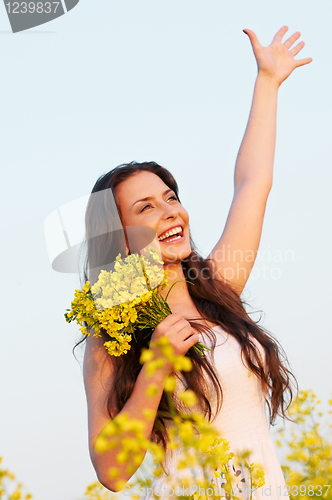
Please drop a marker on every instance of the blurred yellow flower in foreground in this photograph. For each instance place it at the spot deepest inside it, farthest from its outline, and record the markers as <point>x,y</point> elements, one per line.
<point>10,489</point>
<point>200,445</point>
<point>308,472</point>
<point>307,469</point>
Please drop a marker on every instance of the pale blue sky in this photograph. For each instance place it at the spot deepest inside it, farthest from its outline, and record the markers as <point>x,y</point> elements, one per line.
<point>169,81</point>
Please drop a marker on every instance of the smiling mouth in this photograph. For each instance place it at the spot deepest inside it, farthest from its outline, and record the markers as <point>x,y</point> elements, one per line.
<point>174,234</point>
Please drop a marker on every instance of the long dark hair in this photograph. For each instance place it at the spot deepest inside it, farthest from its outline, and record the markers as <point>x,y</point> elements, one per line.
<point>215,300</point>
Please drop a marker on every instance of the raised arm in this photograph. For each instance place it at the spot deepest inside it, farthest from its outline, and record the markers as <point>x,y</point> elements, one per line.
<point>234,255</point>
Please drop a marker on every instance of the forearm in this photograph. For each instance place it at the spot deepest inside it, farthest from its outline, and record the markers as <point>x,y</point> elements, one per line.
<point>256,155</point>
<point>134,407</point>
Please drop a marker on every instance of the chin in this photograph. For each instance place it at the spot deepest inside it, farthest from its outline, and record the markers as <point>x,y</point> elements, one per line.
<point>175,255</point>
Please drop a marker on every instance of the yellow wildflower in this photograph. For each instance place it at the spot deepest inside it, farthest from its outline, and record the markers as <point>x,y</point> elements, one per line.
<point>113,472</point>
<point>120,484</point>
<point>152,390</point>
<point>170,384</point>
<point>148,413</point>
<point>188,397</point>
<point>123,301</point>
<point>146,355</point>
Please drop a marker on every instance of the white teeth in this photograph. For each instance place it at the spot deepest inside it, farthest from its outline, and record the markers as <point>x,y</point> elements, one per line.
<point>170,233</point>
<point>176,238</point>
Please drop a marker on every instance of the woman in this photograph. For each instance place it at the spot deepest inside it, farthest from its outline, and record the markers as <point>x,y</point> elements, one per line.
<point>211,309</point>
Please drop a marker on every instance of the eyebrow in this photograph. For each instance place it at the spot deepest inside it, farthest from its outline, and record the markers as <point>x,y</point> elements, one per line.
<point>151,197</point>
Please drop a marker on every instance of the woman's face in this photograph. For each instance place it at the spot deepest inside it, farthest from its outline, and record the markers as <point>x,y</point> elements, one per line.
<point>145,200</point>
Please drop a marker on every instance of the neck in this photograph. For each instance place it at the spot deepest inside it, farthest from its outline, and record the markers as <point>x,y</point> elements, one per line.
<point>179,293</point>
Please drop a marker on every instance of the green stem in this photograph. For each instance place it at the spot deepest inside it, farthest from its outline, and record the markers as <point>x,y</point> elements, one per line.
<point>179,281</point>
<point>170,403</point>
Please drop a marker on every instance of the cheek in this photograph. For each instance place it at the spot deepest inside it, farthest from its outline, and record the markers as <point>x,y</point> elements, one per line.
<point>185,216</point>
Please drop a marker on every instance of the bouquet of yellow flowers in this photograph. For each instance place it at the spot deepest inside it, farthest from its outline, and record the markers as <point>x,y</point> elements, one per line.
<point>124,300</point>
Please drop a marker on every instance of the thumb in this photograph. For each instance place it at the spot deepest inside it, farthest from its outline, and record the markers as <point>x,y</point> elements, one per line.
<point>253,38</point>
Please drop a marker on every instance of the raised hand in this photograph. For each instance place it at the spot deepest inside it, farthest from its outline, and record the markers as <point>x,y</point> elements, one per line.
<point>277,60</point>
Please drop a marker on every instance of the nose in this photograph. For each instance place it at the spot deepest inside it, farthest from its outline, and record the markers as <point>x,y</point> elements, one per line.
<point>170,212</point>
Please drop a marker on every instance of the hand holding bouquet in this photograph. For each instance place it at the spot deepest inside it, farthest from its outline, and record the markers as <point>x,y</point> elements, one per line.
<point>124,300</point>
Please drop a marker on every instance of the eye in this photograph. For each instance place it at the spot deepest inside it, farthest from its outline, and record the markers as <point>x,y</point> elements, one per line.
<point>173,197</point>
<point>145,206</point>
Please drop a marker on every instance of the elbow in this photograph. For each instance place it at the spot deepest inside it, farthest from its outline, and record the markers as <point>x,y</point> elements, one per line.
<point>103,476</point>
<point>102,464</point>
<point>261,184</point>
<point>106,481</point>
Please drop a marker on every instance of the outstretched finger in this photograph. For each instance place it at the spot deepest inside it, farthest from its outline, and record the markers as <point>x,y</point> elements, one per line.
<point>288,43</point>
<point>278,36</point>
<point>297,49</point>
<point>301,62</point>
